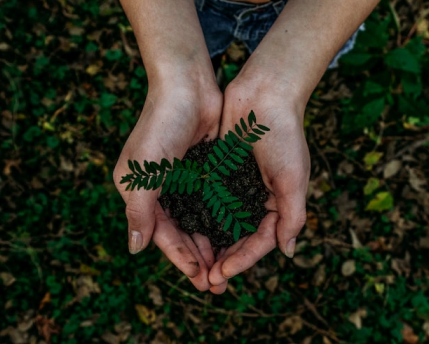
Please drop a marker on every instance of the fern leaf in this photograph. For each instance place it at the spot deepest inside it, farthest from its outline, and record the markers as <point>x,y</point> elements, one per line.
<point>234,205</point>
<point>230,164</point>
<point>229,140</point>
<point>159,180</point>
<point>149,169</point>
<point>243,125</point>
<point>228,222</point>
<point>246,146</point>
<point>238,130</point>
<point>236,231</point>
<point>138,168</point>
<point>165,164</point>
<point>223,146</point>
<point>248,227</point>
<point>181,188</point>
<point>263,127</point>
<point>152,181</point>
<point>197,185</point>
<point>218,152</point>
<point>240,151</point>
<point>257,131</point>
<point>126,178</point>
<point>212,201</point>
<point>212,159</point>
<point>236,158</point>
<point>184,177</point>
<point>131,166</point>
<point>221,214</point>
<point>173,188</point>
<point>176,175</point>
<point>216,208</point>
<point>251,118</point>
<point>229,199</point>
<point>224,170</point>
<point>242,215</point>
<point>190,187</point>
<point>208,195</point>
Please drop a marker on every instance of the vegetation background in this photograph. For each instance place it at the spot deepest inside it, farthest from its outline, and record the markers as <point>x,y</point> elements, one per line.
<point>72,86</point>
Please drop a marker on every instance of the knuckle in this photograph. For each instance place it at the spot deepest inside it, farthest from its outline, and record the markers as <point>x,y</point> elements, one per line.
<point>134,215</point>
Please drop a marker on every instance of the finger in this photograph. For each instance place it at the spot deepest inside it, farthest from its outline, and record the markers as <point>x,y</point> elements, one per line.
<point>215,275</point>
<point>140,212</point>
<point>205,248</point>
<point>168,239</point>
<point>201,280</point>
<point>257,246</point>
<point>219,289</point>
<point>291,207</point>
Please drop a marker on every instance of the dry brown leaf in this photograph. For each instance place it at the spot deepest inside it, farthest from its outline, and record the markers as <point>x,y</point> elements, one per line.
<point>7,278</point>
<point>320,276</point>
<point>155,295</point>
<point>408,335</point>
<point>391,168</point>
<point>145,314</point>
<point>356,317</point>
<point>110,338</point>
<point>417,179</point>
<point>291,325</point>
<point>326,340</point>
<point>272,283</point>
<point>348,268</point>
<point>46,327</point>
<point>307,263</point>
<point>355,240</point>
<point>312,221</point>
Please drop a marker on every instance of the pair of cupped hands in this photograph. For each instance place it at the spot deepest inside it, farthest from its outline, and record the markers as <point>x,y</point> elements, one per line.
<point>179,113</point>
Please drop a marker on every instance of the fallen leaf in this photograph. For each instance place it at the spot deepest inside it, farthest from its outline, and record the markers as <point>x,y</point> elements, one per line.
<point>371,158</point>
<point>320,276</point>
<point>307,263</point>
<point>146,315</point>
<point>155,295</point>
<point>355,240</point>
<point>391,168</point>
<point>291,325</point>
<point>312,221</point>
<point>46,327</point>
<point>371,185</point>
<point>7,278</point>
<point>272,282</point>
<point>382,201</point>
<point>408,335</point>
<point>348,268</point>
<point>356,317</point>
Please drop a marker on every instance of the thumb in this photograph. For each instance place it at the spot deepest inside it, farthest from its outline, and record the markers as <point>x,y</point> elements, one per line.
<point>291,207</point>
<point>140,212</point>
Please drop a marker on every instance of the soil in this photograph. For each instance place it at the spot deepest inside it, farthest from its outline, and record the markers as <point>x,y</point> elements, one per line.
<point>191,212</point>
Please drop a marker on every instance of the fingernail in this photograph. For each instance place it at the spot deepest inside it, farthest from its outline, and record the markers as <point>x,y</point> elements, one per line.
<point>290,248</point>
<point>136,242</point>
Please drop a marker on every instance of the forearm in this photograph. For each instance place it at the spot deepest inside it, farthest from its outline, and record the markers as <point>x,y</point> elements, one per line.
<point>304,39</point>
<point>169,37</point>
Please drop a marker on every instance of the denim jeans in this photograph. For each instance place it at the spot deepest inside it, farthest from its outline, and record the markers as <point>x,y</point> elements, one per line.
<point>224,21</point>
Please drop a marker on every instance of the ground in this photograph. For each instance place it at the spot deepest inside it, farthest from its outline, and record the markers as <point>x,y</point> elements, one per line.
<point>72,87</point>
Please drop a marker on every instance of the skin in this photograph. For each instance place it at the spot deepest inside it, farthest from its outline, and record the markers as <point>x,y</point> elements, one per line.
<point>184,105</point>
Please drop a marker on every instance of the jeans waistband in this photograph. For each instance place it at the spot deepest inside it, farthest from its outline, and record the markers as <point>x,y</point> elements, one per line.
<point>230,5</point>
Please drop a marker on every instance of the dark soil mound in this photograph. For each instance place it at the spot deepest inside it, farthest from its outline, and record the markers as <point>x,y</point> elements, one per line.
<point>191,212</point>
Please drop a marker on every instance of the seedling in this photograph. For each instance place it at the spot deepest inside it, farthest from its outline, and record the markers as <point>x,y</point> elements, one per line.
<point>188,176</point>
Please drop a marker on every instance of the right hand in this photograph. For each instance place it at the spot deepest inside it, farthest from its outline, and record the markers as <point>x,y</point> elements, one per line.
<point>174,118</point>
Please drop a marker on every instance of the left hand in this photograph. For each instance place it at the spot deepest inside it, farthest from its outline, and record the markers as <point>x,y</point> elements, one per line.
<point>284,162</point>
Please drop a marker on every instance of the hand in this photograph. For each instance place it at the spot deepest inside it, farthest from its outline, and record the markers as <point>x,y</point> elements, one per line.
<point>284,162</point>
<point>175,117</point>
